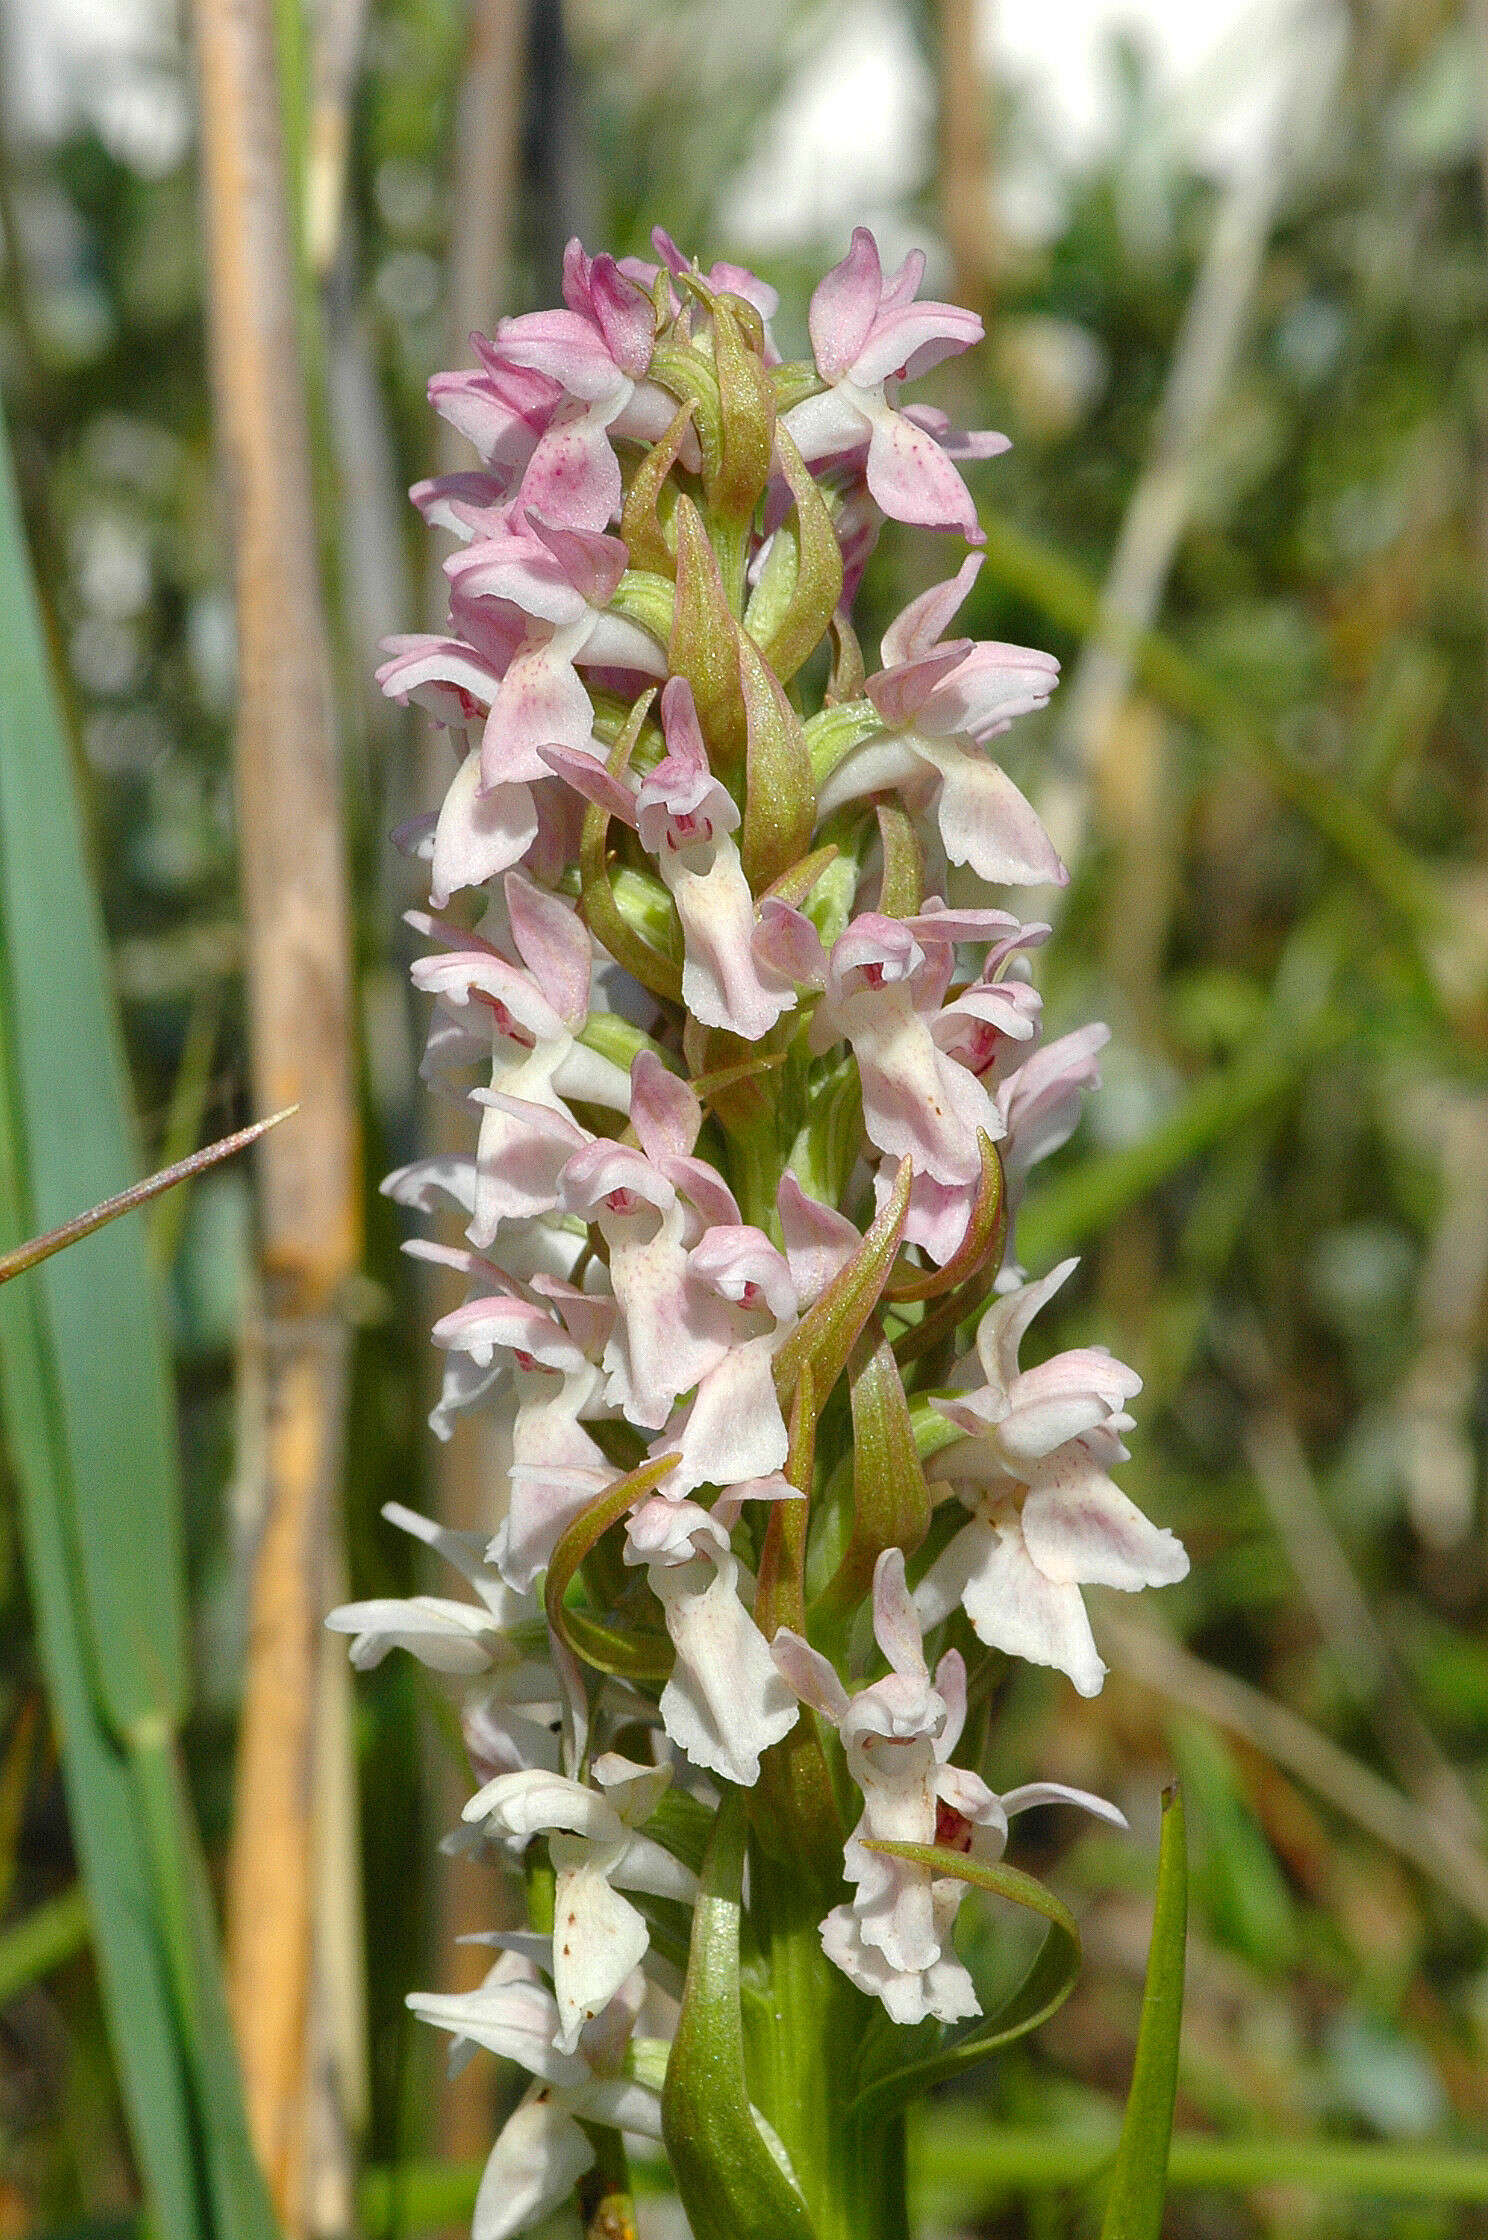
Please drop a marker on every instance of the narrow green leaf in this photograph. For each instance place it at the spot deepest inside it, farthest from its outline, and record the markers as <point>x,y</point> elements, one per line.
<point>96,1303</point>
<point>644,596</point>
<point>795,885</point>
<point>692,381</point>
<point>794,1806</point>
<point>660,974</point>
<point>847,675</point>
<point>239,2200</point>
<point>779,798</point>
<point>730,2182</point>
<point>835,730</point>
<point>984,1235</point>
<point>962,2166</point>
<point>1043,1990</point>
<point>101,1800</point>
<point>1087,1197</point>
<point>1134,2206</point>
<point>1063,591</point>
<point>746,415</point>
<point>817,583</point>
<point>902,887</point>
<point>779,1595</point>
<point>641,524</point>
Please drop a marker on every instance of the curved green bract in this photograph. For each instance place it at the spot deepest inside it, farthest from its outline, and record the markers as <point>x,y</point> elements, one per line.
<point>984,1231</point>
<point>891,1503</point>
<point>629,1656</point>
<point>817,586</point>
<point>828,1331</point>
<point>1139,2183</point>
<point>1043,1990</point>
<point>730,2183</point>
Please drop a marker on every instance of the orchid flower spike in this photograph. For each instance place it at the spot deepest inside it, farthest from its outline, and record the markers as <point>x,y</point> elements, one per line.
<point>746,1043</point>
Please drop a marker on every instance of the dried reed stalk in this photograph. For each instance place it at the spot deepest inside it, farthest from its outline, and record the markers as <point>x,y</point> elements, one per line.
<point>965,205</point>
<point>298,975</point>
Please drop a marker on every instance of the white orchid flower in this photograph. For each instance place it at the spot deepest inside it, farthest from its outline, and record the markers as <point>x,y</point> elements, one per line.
<point>596,1849</point>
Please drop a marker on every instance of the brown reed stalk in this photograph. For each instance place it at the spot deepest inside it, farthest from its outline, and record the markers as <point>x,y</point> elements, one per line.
<point>299,1001</point>
<point>965,204</point>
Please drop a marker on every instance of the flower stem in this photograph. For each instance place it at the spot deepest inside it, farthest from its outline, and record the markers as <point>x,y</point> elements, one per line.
<point>801,2028</point>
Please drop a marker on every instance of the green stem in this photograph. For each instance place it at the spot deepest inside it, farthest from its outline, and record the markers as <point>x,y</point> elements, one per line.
<point>802,2031</point>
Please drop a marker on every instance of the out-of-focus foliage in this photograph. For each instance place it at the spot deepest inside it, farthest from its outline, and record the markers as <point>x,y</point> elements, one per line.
<point>1303,1290</point>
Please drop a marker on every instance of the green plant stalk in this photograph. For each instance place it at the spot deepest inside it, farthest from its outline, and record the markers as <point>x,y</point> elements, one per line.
<point>803,2029</point>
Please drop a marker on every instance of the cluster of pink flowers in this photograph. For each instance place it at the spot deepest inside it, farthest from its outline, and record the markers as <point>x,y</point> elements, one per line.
<point>752,1105</point>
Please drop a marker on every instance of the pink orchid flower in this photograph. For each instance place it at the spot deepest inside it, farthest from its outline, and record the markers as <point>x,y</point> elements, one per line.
<point>894,1939</point>
<point>1046,1516</point>
<point>886,978</point>
<point>725,1702</point>
<point>940,701</point>
<point>687,820</point>
<point>732,1431</point>
<point>548,590</point>
<point>556,1467</point>
<point>532,1012</point>
<point>543,2149</point>
<point>597,1851</point>
<point>671,1328</point>
<point>865,333</point>
<point>597,351</point>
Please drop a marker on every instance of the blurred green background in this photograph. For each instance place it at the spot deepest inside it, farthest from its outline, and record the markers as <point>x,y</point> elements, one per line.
<point>1238,332</point>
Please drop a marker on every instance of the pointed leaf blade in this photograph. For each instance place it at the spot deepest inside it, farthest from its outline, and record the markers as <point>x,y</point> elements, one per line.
<point>730,2183</point>
<point>1134,2206</point>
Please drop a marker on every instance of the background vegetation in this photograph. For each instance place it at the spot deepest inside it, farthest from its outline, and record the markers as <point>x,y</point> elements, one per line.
<point>1248,507</point>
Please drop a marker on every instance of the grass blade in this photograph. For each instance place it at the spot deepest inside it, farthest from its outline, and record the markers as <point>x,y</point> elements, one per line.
<point>1139,2184</point>
<point>42,1939</point>
<point>81,1225</point>
<point>89,1415</point>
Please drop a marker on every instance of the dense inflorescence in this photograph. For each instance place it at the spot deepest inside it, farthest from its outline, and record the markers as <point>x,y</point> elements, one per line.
<point>755,1102</point>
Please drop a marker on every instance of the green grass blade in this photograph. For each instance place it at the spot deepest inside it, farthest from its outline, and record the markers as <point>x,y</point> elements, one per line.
<point>1062,590</point>
<point>37,1249</point>
<point>43,1939</point>
<point>963,2166</point>
<point>1139,2184</point>
<point>90,1421</point>
<point>100,1790</point>
<point>76,1147</point>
